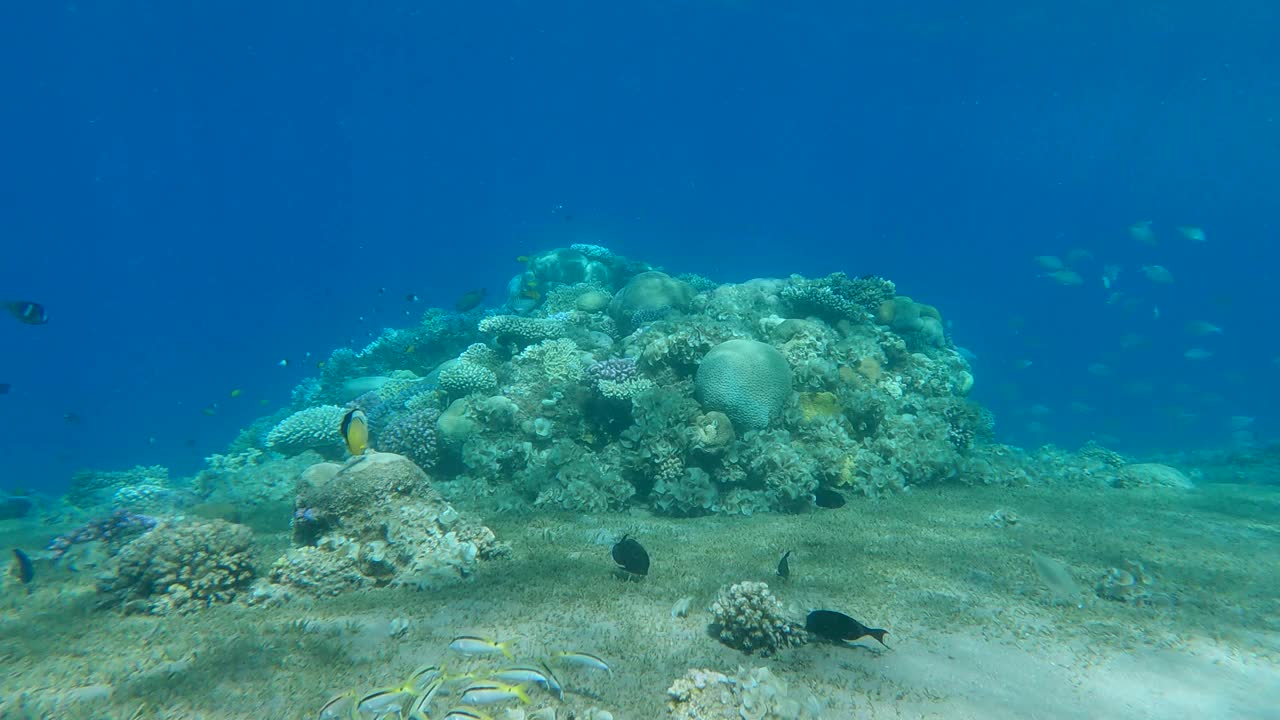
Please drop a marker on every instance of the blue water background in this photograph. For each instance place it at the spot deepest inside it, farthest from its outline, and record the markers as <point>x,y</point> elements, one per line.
<point>198,190</point>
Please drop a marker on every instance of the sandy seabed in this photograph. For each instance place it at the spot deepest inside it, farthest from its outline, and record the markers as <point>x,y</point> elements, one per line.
<point>974,630</point>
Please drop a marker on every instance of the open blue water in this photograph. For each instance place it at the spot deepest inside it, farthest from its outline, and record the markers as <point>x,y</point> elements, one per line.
<point>197,190</point>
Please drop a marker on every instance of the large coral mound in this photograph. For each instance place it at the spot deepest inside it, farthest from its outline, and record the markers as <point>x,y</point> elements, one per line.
<point>747,380</point>
<point>377,520</point>
<point>181,566</point>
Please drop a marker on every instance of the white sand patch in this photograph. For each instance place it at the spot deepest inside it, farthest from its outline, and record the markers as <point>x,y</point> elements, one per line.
<point>960,677</point>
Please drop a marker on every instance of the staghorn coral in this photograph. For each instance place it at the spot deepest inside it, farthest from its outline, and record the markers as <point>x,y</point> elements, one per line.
<point>317,429</point>
<point>180,566</point>
<point>747,380</point>
<point>747,617</point>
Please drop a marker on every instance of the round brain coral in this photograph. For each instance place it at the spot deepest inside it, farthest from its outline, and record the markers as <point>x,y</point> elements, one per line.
<point>748,381</point>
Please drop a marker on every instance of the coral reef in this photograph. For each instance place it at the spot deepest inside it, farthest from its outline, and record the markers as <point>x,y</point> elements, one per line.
<point>649,296</point>
<point>756,694</point>
<point>119,528</point>
<point>463,378</point>
<point>316,429</point>
<point>604,383</point>
<point>747,617</point>
<point>413,434</point>
<point>837,297</point>
<point>91,488</point>
<point>377,516</point>
<point>521,331</point>
<point>180,566</point>
<point>1151,475</point>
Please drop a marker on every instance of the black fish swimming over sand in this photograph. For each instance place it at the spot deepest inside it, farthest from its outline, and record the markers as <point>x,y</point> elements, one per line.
<point>838,627</point>
<point>827,498</point>
<point>631,556</point>
<point>784,567</point>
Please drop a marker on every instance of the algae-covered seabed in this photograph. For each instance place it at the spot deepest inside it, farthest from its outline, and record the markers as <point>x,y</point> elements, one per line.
<point>973,630</point>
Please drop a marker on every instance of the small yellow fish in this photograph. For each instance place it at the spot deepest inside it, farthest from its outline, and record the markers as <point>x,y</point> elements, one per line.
<point>264,402</point>
<point>211,409</point>
<point>411,350</point>
<point>320,364</point>
<point>472,645</point>
<point>355,430</point>
<point>522,259</point>
<point>389,701</point>
<point>237,393</point>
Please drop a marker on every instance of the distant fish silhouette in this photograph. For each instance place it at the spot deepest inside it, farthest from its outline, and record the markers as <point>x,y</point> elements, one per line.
<point>27,312</point>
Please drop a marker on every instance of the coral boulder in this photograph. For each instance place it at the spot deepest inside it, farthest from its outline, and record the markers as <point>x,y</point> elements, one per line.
<point>747,380</point>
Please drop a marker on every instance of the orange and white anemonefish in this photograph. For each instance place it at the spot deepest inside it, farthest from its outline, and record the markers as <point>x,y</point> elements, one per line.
<point>355,431</point>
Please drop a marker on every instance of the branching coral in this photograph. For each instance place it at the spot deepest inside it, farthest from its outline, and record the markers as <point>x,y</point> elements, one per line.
<point>747,617</point>
<point>413,434</point>
<point>181,566</point>
<point>317,428</point>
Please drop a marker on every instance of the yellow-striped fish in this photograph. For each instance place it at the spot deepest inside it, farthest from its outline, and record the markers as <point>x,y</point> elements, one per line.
<point>488,693</point>
<point>472,645</point>
<point>355,430</point>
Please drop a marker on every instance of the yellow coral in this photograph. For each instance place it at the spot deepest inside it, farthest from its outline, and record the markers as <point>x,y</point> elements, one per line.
<point>869,368</point>
<point>847,468</point>
<point>819,405</point>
